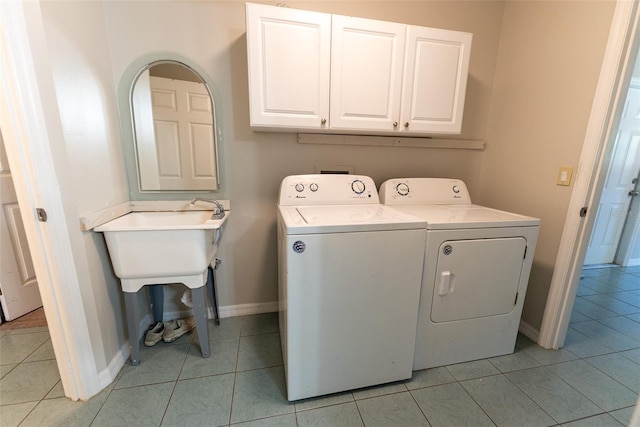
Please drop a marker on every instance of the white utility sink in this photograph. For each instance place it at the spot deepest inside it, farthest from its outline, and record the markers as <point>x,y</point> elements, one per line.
<point>162,247</point>
<point>154,248</point>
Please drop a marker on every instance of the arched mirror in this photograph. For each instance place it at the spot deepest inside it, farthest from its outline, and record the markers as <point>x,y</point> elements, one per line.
<point>174,124</point>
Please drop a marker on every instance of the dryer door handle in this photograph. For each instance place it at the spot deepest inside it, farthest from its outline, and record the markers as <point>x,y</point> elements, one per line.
<point>445,284</point>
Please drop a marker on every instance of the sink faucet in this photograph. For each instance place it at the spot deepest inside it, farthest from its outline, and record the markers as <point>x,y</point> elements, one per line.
<point>218,212</point>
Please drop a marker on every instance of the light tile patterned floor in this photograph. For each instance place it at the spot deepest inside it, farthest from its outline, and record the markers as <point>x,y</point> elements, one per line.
<point>593,381</point>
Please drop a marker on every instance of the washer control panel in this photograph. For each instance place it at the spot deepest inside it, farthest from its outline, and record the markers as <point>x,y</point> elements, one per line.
<point>428,191</point>
<point>327,189</point>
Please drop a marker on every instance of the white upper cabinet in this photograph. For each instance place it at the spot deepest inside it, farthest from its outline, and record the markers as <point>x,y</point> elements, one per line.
<point>435,80</point>
<point>288,54</point>
<point>366,73</point>
<point>316,72</point>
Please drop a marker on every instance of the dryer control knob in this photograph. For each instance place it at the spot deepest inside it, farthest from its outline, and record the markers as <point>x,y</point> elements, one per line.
<point>402,189</point>
<point>358,186</point>
<point>455,189</point>
<point>313,187</point>
<point>299,187</point>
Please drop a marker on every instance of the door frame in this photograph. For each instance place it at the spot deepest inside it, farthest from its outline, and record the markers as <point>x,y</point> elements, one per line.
<point>615,76</point>
<point>30,123</point>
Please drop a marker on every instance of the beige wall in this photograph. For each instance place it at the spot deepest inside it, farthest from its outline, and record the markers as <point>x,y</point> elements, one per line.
<point>212,34</point>
<point>547,70</point>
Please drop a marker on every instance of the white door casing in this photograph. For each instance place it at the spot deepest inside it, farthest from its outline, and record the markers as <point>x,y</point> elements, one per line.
<point>19,293</point>
<point>616,200</point>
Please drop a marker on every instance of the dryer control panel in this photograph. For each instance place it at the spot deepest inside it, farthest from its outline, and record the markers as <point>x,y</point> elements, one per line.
<point>319,189</point>
<point>428,191</point>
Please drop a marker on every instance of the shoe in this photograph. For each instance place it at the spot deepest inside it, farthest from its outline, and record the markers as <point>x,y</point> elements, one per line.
<point>177,328</point>
<point>154,334</point>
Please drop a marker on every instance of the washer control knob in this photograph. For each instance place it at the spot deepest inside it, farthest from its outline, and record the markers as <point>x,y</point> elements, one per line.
<point>402,189</point>
<point>313,187</point>
<point>299,187</point>
<point>455,189</point>
<point>358,186</point>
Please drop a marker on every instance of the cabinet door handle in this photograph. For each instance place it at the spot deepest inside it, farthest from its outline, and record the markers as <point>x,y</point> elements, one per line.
<point>395,124</point>
<point>323,121</point>
<point>633,193</point>
<point>406,124</point>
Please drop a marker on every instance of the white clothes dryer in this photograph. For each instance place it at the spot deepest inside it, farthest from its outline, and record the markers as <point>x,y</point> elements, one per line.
<point>349,274</point>
<point>476,271</point>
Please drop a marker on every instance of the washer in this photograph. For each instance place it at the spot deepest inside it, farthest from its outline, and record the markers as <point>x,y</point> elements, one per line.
<point>476,271</point>
<point>349,282</point>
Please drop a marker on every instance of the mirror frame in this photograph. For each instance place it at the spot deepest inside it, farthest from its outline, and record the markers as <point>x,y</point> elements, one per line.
<point>125,89</point>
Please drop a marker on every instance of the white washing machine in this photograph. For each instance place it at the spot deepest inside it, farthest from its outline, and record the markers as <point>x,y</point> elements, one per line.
<point>476,271</point>
<point>350,271</point>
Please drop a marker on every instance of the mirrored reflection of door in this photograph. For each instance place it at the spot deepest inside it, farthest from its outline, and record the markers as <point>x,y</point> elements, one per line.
<point>182,112</point>
<point>175,134</point>
<point>616,199</point>
<point>18,286</point>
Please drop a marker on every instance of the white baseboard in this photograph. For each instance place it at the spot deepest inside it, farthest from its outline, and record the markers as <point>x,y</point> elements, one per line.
<point>108,375</point>
<point>248,309</point>
<point>528,331</point>
<point>224,311</point>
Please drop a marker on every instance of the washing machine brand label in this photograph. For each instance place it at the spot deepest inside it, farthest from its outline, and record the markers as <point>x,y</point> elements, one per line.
<point>299,247</point>
<point>447,250</point>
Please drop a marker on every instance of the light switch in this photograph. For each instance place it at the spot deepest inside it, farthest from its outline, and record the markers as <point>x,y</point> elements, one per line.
<point>564,176</point>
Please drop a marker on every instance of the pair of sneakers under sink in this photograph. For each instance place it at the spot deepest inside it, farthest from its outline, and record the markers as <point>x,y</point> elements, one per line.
<point>168,331</point>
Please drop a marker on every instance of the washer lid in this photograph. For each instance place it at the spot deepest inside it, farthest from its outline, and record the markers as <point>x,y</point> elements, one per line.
<point>447,217</point>
<point>345,218</point>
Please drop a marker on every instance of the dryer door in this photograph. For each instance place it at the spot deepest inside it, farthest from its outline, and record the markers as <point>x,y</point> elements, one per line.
<point>477,278</point>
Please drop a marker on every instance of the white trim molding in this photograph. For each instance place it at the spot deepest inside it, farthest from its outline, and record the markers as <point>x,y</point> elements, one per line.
<point>528,331</point>
<point>248,309</point>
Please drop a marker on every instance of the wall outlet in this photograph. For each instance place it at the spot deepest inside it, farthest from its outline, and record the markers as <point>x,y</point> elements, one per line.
<point>564,176</point>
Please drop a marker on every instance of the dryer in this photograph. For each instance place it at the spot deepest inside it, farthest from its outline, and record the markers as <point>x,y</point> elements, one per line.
<point>349,275</point>
<point>476,271</point>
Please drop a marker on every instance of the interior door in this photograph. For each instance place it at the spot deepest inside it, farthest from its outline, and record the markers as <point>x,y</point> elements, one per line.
<point>183,128</point>
<point>616,198</point>
<point>19,293</point>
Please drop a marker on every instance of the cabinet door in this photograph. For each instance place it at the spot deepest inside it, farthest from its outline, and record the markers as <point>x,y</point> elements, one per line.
<point>435,80</point>
<point>366,73</point>
<point>288,57</point>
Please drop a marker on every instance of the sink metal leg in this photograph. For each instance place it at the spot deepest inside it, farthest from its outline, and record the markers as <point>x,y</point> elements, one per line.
<point>200,316</point>
<point>157,302</point>
<point>133,325</point>
<point>211,288</point>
